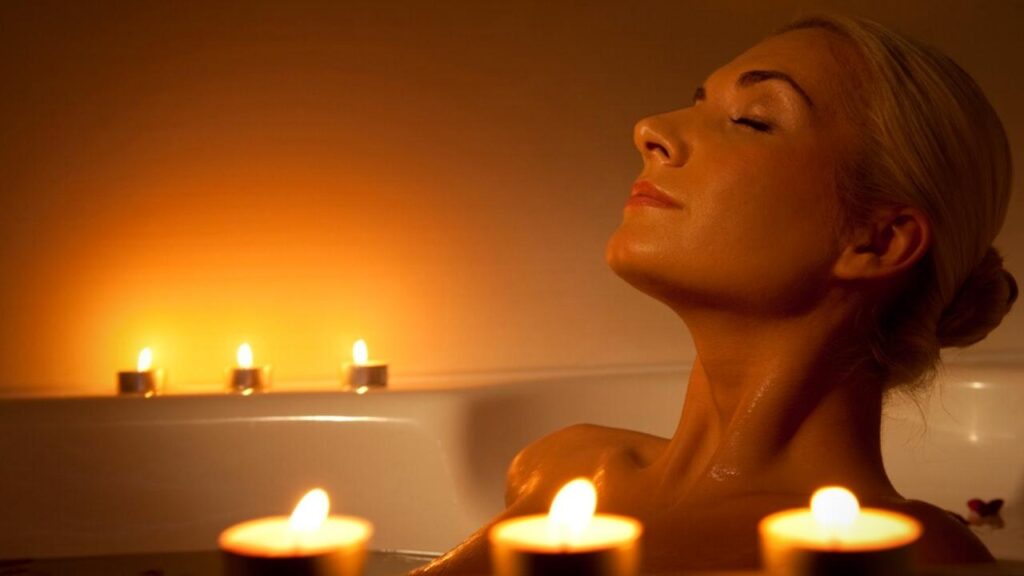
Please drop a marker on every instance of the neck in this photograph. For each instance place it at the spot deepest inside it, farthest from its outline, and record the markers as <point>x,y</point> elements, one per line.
<point>769,402</point>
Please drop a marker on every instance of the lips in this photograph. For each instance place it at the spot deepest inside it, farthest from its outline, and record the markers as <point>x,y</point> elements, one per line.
<point>645,193</point>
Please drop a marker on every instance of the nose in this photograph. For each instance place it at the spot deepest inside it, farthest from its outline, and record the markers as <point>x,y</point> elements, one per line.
<point>657,142</point>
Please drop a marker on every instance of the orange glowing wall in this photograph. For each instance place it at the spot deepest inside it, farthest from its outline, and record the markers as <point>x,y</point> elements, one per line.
<point>437,178</point>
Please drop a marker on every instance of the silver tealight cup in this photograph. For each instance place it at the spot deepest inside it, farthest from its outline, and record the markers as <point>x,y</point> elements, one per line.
<point>363,374</point>
<point>246,379</point>
<point>143,381</point>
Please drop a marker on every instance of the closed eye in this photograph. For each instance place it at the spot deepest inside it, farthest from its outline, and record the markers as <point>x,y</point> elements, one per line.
<point>754,124</point>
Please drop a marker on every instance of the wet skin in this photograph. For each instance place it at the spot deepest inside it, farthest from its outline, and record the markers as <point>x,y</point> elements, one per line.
<point>733,225</point>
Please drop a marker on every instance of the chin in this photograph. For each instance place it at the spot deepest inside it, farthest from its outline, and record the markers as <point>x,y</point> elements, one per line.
<point>659,272</point>
<point>638,264</point>
<point>621,253</point>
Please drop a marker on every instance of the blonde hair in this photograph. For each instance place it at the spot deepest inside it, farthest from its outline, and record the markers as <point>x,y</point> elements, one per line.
<point>930,140</point>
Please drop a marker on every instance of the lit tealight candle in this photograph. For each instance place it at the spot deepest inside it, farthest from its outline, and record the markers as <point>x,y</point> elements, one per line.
<point>365,373</point>
<point>836,536</point>
<point>143,381</point>
<point>306,544</point>
<point>245,379</point>
<point>570,539</point>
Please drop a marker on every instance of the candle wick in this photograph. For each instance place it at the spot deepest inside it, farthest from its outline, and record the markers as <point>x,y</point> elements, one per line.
<point>835,539</point>
<point>296,538</point>
<point>565,539</point>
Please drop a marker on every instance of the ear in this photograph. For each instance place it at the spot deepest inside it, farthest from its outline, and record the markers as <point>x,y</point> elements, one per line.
<point>892,242</point>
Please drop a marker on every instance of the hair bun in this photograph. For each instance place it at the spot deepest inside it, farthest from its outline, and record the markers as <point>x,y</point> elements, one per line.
<point>979,305</point>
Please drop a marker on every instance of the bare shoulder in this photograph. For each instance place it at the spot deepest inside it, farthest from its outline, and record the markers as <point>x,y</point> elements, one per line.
<point>579,450</point>
<point>536,474</point>
<point>946,540</point>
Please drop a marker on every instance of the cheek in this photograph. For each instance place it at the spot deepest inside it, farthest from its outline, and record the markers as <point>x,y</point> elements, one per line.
<point>771,217</point>
<point>761,230</point>
<point>773,198</point>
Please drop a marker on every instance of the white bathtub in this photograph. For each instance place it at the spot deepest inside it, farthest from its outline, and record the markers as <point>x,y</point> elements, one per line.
<point>98,476</point>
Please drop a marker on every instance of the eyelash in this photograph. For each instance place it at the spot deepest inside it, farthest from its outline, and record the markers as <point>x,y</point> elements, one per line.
<point>753,124</point>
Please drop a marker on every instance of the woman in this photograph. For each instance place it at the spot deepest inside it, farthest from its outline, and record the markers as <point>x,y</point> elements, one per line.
<point>821,218</point>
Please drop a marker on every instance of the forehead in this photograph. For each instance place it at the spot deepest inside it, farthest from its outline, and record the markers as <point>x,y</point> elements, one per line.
<point>818,60</point>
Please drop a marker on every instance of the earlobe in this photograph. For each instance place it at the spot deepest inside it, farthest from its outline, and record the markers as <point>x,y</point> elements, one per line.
<point>890,244</point>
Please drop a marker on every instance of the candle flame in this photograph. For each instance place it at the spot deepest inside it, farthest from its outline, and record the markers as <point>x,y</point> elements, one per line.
<point>244,356</point>
<point>360,354</point>
<point>145,361</point>
<point>572,510</point>
<point>310,512</point>
<point>834,508</point>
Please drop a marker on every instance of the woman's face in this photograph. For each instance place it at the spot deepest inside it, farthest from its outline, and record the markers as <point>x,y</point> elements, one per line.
<point>736,205</point>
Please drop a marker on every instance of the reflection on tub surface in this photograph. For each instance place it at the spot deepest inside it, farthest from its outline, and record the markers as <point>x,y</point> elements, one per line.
<point>203,563</point>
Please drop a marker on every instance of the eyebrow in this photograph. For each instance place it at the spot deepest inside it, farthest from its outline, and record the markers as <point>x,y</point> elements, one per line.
<point>751,77</point>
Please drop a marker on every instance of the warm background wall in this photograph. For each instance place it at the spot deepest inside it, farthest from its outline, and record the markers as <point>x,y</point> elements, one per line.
<point>436,177</point>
